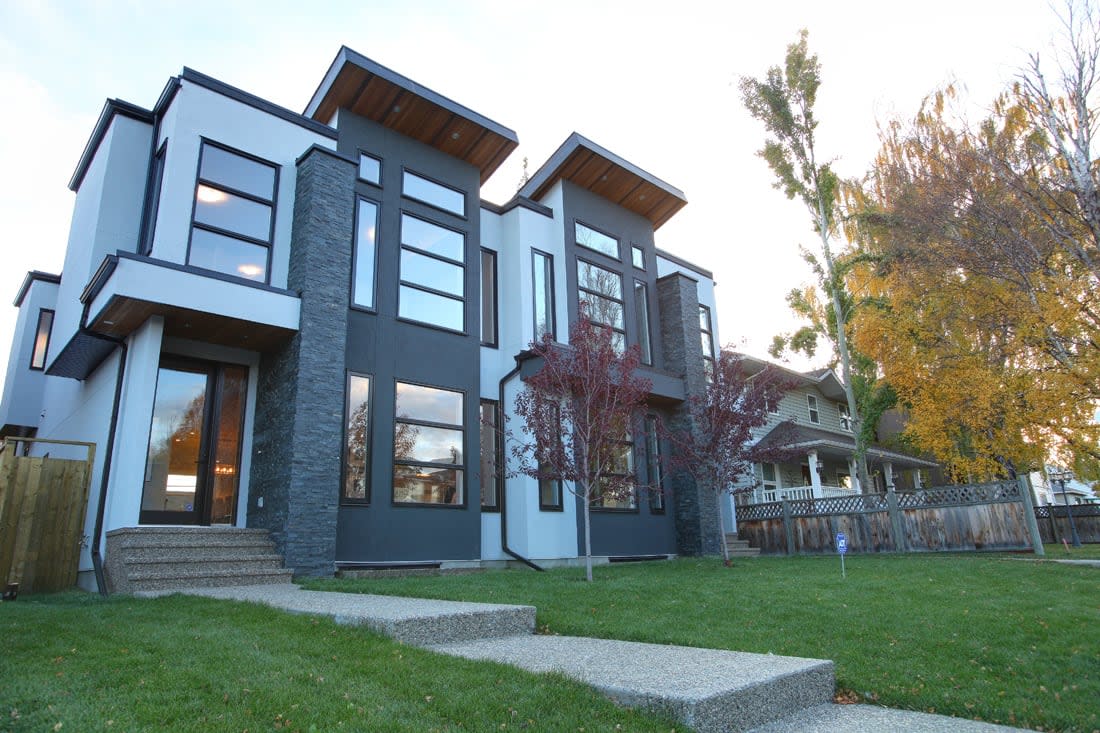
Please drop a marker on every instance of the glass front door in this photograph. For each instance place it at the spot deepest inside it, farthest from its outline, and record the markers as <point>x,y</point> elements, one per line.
<point>192,468</point>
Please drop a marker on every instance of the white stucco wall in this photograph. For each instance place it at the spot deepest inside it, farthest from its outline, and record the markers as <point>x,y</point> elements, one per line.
<point>24,387</point>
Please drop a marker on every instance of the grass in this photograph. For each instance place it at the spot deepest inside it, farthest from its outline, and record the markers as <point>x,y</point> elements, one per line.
<point>76,662</point>
<point>1084,552</point>
<point>993,637</point>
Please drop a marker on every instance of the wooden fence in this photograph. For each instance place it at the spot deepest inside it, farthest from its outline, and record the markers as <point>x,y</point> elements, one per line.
<point>43,502</point>
<point>991,516</point>
<point>1054,522</point>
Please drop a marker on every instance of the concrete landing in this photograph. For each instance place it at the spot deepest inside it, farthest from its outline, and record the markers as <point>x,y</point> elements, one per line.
<point>872,719</point>
<point>410,620</point>
<point>711,690</point>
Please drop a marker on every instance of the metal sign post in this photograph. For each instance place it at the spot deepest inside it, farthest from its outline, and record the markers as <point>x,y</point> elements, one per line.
<point>842,549</point>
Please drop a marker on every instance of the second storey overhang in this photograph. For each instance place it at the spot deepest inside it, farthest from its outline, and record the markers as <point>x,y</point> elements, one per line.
<point>597,169</point>
<point>196,304</point>
<point>368,89</point>
<point>665,388</point>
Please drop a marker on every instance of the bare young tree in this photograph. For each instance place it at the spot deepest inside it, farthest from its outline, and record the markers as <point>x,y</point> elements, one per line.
<point>579,412</point>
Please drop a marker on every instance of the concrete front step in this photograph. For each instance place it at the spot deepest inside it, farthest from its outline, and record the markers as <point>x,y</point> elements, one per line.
<point>410,620</point>
<point>848,718</point>
<point>242,564</point>
<point>711,690</point>
<point>139,537</point>
<point>191,577</point>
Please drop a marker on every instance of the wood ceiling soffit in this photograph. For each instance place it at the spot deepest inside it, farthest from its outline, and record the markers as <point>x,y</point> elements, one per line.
<point>472,145</point>
<point>631,192</point>
<point>502,152</point>
<point>441,137</point>
<point>466,131</point>
<point>388,117</point>
<point>347,82</point>
<point>433,120</point>
<point>591,173</point>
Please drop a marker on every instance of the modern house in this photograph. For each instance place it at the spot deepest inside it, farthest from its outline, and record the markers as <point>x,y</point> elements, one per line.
<point>302,323</point>
<point>811,427</point>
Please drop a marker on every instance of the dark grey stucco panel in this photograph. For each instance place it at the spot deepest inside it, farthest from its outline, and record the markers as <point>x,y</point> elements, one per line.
<point>300,397</point>
<point>391,350</point>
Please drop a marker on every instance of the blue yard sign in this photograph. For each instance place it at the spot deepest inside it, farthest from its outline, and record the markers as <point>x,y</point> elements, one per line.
<point>842,548</point>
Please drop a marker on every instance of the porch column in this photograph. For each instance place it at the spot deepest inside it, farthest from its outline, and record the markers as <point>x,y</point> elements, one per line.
<point>917,481</point>
<point>815,477</point>
<point>888,476</point>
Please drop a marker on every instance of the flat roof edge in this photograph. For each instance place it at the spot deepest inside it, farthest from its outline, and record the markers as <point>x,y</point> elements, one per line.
<point>111,107</point>
<point>32,276</point>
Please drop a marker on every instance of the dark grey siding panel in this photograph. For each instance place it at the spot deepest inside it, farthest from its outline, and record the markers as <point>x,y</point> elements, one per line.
<point>389,350</point>
<point>300,397</point>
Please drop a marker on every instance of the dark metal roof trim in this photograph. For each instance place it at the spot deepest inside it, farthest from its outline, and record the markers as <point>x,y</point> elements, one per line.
<point>684,263</point>
<point>32,276</point>
<point>111,108</point>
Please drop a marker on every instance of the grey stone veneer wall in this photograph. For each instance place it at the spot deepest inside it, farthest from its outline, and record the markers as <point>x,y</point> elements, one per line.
<point>298,437</point>
<point>696,506</point>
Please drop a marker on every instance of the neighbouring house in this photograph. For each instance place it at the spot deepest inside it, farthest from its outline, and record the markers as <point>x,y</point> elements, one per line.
<point>307,323</point>
<point>1048,489</point>
<point>811,428</point>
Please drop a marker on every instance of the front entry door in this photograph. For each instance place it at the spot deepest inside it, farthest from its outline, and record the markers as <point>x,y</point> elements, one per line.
<point>193,465</point>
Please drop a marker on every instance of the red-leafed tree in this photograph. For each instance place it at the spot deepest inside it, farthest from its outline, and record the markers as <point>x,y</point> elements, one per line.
<point>579,412</point>
<point>722,446</point>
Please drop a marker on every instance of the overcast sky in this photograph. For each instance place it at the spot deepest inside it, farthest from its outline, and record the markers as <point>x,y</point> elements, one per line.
<point>653,82</point>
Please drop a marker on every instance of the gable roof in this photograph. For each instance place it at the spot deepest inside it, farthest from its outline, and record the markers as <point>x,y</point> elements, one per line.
<point>597,169</point>
<point>826,380</point>
<point>371,90</point>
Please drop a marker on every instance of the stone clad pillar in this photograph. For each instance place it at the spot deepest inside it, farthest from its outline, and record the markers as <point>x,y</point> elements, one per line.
<point>297,441</point>
<point>696,507</point>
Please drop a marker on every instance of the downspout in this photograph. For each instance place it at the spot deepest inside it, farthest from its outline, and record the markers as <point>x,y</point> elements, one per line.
<point>504,485</point>
<point>101,508</point>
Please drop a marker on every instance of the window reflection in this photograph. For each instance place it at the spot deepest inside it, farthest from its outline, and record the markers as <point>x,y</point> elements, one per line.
<point>428,445</point>
<point>357,439</point>
<point>436,194</point>
<point>598,241</point>
<point>366,235</point>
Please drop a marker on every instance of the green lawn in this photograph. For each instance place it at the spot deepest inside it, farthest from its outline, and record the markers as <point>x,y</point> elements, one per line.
<point>996,637</point>
<point>76,662</point>
<point>1084,552</point>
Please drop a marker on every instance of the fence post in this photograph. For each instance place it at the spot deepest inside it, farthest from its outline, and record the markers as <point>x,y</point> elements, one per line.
<point>1029,510</point>
<point>900,545</point>
<point>787,528</point>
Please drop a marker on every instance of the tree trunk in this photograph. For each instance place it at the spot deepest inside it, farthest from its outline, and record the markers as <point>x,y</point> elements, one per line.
<point>587,539</point>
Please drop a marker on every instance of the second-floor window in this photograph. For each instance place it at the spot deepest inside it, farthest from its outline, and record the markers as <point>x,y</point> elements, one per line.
<point>41,339</point>
<point>234,216</point>
<point>488,297</point>
<point>366,243</point>
<point>602,292</point>
<point>433,274</point>
<point>811,408</point>
<point>542,280</point>
<point>706,337</point>
<point>641,313</point>
<point>845,417</point>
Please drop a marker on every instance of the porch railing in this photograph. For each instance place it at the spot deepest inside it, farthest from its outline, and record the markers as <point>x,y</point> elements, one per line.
<point>792,493</point>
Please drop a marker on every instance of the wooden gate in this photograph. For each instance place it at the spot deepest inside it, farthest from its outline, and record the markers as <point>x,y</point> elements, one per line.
<point>43,501</point>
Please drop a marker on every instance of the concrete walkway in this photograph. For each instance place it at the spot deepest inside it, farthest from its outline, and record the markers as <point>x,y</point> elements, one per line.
<point>711,690</point>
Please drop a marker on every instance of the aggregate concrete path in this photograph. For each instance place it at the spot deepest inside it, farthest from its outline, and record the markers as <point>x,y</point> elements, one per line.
<point>410,620</point>
<point>712,690</point>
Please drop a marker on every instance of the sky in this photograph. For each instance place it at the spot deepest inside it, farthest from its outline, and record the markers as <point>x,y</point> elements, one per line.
<point>656,83</point>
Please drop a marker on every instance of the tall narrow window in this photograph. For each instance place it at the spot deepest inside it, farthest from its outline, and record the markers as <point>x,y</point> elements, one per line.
<point>428,462</point>
<point>706,334</point>
<point>434,194</point>
<point>234,219</point>
<point>621,466</point>
<point>653,465</point>
<point>641,313</point>
<point>42,339</point>
<point>366,239</point>
<point>357,440</point>
<point>845,416</point>
<point>490,456</point>
<point>770,480</point>
<point>542,277</point>
<point>550,493</point>
<point>433,274</point>
<point>602,292</point>
<point>811,408</point>
<point>156,180</point>
<point>595,240</point>
<point>488,297</point>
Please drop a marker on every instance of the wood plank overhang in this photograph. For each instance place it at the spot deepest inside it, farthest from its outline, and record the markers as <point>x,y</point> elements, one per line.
<point>593,167</point>
<point>368,89</point>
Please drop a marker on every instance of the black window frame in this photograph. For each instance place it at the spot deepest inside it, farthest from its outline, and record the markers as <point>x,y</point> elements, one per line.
<point>552,304</point>
<point>369,436</point>
<point>460,467</point>
<point>708,359</point>
<point>373,307</point>
<point>618,256</point>
<point>204,142</point>
<point>495,306</point>
<point>401,281</point>
<point>554,482</point>
<point>642,321</point>
<point>654,473</point>
<point>620,300</point>
<point>152,198</point>
<point>637,253</point>
<point>498,455</point>
<point>46,346</point>
<point>406,171</point>
<point>596,494</point>
<point>358,168</point>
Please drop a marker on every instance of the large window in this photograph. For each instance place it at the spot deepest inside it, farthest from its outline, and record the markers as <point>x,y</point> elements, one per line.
<point>488,297</point>
<point>653,465</point>
<point>542,277</point>
<point>366,246</point>
<point>641,313</point>
<point>588,237</point>
<point>432,193</point>
<point>357,440</point>
<point>428,462</point>
<point>621,466</point>
<point>602,292</point>
<point>433,274</point>
<point>41,339</point>
<point>490,445</point>
<point>234,219</point>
